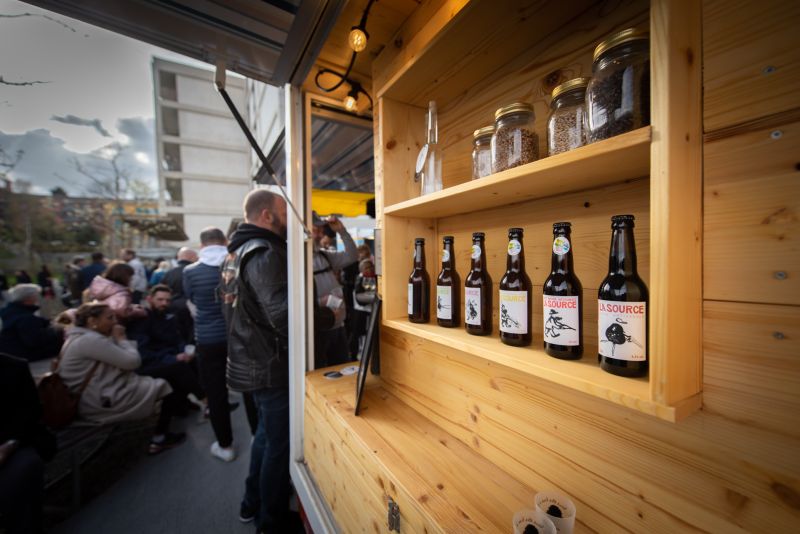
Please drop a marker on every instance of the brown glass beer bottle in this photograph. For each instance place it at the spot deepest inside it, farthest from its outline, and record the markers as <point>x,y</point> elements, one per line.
<point>622,320</point>
<point>478,291</point>
<point>563,300</point>
<point>515,295</point>
<point>448,288</point>
<point>419,286</point>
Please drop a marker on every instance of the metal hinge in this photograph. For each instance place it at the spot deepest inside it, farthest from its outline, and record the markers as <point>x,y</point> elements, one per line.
<point>394,516</point>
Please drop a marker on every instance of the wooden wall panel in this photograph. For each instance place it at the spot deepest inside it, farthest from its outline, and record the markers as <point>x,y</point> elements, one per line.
<point>625,470</point>
<point>752,217</point>
<point>751,67</point>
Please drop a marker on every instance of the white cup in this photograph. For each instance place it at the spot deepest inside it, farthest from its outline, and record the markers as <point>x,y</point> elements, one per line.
<point>189,350</point>
<point>532,522</point>
<point>553,504</point>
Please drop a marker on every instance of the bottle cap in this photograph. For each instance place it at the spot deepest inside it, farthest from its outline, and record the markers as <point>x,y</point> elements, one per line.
<point>478,234</point>
<point>419,241</point>
<point>563,224</point>
<point>447,239</point>
<point>618,220</point>
<point>514,231</point>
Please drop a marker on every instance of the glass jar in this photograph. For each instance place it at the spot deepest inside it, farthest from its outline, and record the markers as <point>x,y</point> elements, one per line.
<point>514,142</point>
<point>566,127</point>
<point>482,152</point>
<point>618,97</point>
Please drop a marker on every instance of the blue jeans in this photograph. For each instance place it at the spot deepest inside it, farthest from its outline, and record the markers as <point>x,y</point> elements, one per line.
<point>268,486</point>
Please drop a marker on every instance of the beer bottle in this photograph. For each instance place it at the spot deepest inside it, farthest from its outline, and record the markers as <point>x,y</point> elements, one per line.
<point>515,295</point>
<point>563,300</point>
<point>478,291</point>
<point>419,286</point>
<point>622,307</point>
<point>448,287</point>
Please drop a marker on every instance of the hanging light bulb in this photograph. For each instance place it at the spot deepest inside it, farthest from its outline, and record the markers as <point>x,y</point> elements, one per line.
<point>357,39</point>
<point>350,102</point>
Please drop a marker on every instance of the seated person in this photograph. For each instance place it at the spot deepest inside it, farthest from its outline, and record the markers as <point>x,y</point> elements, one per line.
<point>25,444</point>
<point>113,288</point>
<point>114,392</point>
<point>162,348</point>
<point>25,334</point>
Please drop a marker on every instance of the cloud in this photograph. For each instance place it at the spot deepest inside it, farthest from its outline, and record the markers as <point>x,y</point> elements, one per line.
<point>48,163</point>
<point>78,121</point>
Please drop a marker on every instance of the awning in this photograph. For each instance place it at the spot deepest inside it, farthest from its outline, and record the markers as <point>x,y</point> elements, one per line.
<point>164,228</point>
<point>344,203</point>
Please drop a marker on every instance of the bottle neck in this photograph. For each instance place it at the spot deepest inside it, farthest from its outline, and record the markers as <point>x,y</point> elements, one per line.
<point>432,125</point>
<point>515,262</point>
<point>562,262</point>
<point>419,257</point>
<point>448,265</point>
<point>622,259</point>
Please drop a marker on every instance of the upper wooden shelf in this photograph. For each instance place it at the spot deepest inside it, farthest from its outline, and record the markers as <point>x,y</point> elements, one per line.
<point>613,160</point>
<point>583,375</point>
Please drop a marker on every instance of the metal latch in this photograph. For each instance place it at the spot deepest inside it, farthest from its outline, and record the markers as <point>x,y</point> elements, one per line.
<point>394,516</point>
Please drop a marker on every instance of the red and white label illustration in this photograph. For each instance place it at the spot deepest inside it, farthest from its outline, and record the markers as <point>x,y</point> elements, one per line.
<point>622,330</point>
<point>562,321</point>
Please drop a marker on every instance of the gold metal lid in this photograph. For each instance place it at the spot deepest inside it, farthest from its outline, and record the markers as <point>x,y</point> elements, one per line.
<point>569,85</point>
<point>516,107</point>
<point>483,132</point>
<point>625,36</point>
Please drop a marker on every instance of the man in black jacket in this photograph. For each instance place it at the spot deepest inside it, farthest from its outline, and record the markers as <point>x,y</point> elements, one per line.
<point>254,287</point>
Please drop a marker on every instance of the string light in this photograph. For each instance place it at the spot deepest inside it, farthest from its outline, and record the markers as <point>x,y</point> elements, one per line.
<point>357,39</point>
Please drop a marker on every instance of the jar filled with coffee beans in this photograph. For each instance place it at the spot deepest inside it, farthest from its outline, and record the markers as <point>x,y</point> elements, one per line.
<point>566,128</point>
<point>514,142</point>
<point>618,97</point>
<point>482,152</point>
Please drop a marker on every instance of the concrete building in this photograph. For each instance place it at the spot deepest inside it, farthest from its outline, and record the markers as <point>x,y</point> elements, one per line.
<point>204,159</point>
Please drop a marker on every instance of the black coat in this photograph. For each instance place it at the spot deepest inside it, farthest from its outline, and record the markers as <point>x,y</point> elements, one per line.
<point>157,338</point>
<point>27,336</point>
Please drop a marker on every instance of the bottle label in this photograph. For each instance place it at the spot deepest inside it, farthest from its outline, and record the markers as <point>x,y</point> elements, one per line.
<point>472,305</point>
<point>514,312</point>
<point>561,245</point>
<point>421,157</point>
<point>622,330</point>
<point>561,321</point>
<point>476,252</point>
<point>444,302</point>
<point>411,299</point>
<point>514,248</point>
<point>445,255</point>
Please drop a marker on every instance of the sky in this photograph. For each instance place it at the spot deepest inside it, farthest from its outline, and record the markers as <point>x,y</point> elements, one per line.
<point>99,91</point>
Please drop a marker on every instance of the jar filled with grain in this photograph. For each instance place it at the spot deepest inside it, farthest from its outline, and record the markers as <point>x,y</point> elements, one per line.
<point>566,127</point>
<point>482,152</point>
<point>514,142</point>
<point>618,97</point>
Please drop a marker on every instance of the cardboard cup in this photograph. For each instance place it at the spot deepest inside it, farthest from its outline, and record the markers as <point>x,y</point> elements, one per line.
<point>525,519</point>
<point>546,500</point>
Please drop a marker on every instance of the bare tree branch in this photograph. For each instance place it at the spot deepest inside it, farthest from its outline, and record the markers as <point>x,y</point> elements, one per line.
<point>3,81</point>
<point>42,15</point>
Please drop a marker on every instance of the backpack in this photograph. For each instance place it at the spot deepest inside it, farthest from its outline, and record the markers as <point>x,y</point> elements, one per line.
<point>59,404</point>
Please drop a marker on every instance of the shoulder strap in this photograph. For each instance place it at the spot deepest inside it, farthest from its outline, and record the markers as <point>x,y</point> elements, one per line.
<point>326,269</point>
<point>89,376</point>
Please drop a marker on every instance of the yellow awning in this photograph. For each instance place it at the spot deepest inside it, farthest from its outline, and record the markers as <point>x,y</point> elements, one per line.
<point>344,203</point>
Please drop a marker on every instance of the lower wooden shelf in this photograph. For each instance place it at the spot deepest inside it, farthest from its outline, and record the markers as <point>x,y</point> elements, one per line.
<point>583,375</point>
<point>392,451</point>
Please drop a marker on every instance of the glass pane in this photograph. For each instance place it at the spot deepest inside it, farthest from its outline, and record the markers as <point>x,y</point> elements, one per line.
<point>169,121</point>
<point>167,90</point>
<point>172,157</point>
<point>174,188</point>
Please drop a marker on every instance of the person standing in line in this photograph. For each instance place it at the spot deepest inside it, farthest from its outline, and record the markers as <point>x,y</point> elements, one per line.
<point>96,268</point>
<point>330,346</point>
<point>139,281</point>
<point>72,282</point>
<point>200,287</point>
<point>174,280</point>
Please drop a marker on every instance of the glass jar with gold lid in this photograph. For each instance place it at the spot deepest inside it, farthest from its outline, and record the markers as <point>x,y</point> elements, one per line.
<point>566,128</point>
<point>514,142</point>
<point>618,97</point>
<point>482,152</point>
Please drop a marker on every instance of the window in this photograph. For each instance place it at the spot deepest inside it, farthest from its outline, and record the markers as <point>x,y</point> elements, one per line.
<point>174,187</point>
<point>167,89</point>
<point>169,122</point>
<point>172,157</point>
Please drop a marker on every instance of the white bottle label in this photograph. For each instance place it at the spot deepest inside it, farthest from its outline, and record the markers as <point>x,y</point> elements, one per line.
<point>445,255</point>
<point>561,321</point>
<point>514,312</point>
<point>472,305</point>
<point>514,248</point>
<point>411,299</point>
<point>622,330</point>
<point>561,245</point>
<point>444,302</point>
<point>476,252</point>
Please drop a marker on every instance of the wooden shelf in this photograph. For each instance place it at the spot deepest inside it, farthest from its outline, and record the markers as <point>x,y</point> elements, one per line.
<point>614,160</point>
<point>584,375</point>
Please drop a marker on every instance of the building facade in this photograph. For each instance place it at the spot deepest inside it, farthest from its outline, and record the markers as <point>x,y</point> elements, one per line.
<point>203,157</point>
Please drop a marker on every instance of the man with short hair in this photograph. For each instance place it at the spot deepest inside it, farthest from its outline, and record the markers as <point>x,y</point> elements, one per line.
<point>25,334</point>
<point>255,296</point>
<point>72,282</point>
<point>330,346</point>
<point>200,285</point>
<point>161,347</point>
<point>95,268</point>
<point>174,280</point>
<point>139,280</point>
